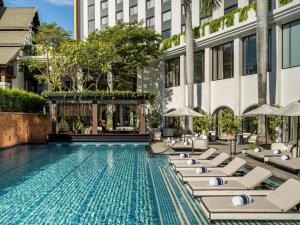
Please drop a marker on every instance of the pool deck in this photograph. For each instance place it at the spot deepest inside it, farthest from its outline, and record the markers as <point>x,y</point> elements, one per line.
<point>159,147</point>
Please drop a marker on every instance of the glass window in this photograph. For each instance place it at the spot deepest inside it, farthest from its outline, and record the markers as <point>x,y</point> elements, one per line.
<point>205,19</point>
<point>119,15</point>
<point>133,10</point>
<point>104,21</point>
<point>165,1</point>
<point>199,66</point>
<point>119,1</point>
<point>104,4</point>
<point>91,26</point>
<point>230,8</point>
<point>150,22</point>
<point>166,16</point>
<point>249,54</point>
<point>183,28</point>
<point>291,46</point>
<point>223,61</point>
<point>172,72</point>
<point>166,34</point>
<point>150,4</point>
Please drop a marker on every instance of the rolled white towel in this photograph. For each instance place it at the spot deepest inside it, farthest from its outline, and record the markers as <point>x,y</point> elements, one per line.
<point>184,155</point>
<point>192,162</point>
<point>168,139</point>
<point>257,149</point>
<point>201,170</point>
<point>277,152</point>
<point>285,157</point>
<point>241,200</point>
<point>196,135</point>
<point>173,142</point>
<point>216,181</point>
<point>186,143</point>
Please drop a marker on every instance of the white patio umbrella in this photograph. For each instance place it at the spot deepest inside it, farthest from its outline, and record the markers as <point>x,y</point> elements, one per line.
<point>292,109</point>
<point>184,112</point>
<point>263,110</point>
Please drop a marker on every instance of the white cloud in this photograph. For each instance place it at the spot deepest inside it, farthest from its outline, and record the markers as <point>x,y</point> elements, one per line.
<point>60,2</point>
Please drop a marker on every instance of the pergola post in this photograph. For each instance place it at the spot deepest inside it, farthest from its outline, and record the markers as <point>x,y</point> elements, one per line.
<point>54,117</point>
<point>142,119</point>
<point>95,117</point>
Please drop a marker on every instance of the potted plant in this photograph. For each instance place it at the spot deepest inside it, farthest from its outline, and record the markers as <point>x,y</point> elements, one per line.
<point>154,119</point>
<point>230,124</point>
<point>202,125</point>
<point>78,125</point>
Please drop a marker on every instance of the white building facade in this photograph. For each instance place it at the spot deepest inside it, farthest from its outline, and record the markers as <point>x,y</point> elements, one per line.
<point>225,59</point>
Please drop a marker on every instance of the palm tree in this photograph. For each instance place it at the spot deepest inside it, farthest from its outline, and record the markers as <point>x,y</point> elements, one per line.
<point>207,7</point>
<point>262,56</point>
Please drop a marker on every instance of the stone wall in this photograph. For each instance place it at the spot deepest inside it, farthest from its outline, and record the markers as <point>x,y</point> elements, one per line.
<point>21,128</point>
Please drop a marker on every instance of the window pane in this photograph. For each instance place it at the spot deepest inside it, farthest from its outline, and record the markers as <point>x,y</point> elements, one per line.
<point>166,16</point>
<point>249,59</point>
<point>165,1</point>
<point>166,34</point>
<point>119,1</point>
<point>199,67</point>
<point>104,4</point>
<point>286,46</point>
<point>150,22</point>
<point>150,4</point>
<point>133,10</point>
<point>120,15</point>
<point>172,72</point>
<point>228,60</point>
<point>230,9</point>
<point>295,43</point>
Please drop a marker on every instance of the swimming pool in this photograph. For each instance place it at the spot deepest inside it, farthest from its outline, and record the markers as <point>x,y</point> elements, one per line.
<point>92,184</point>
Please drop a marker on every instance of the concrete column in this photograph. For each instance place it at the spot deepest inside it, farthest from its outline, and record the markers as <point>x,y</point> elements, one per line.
<point>112,13</point>
<point>195,13</point>
<point>142,11</point>
<point>176,18</point>
<point>54,117</point>
<point>85,19</point>
<point>277,60</point>
<point>95,117</point>
<point>157,16</point>
<point>142,119</point>
<point>237,72</point>
<point>207,78</point>
<point>126,11</point>
<point>97,15</point>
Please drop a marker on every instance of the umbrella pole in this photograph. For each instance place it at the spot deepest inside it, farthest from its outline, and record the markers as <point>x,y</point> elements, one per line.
<point>266,131</point>
<point>297,137</point>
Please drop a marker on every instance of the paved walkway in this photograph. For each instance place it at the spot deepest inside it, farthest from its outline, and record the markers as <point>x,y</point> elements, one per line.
<point>162,148</point>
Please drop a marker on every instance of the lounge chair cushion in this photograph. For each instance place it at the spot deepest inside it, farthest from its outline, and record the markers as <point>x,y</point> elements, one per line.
<point>286,196</point>
<point>234,165</point>
<point>293,163</point>
<point>213,172</point>
<point>204,185</point>
<point>205,155</point>
<point>255,177</point>
<point>224,205</point>
<point>261,154</point>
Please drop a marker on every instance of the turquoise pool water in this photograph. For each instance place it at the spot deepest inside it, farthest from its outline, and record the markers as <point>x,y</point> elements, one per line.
<point>93,184</point>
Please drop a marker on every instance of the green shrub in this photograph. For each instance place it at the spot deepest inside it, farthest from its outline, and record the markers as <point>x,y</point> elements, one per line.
<point>15,100</point>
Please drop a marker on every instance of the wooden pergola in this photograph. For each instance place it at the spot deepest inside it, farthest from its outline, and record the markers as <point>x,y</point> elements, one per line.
<point>95,102</point>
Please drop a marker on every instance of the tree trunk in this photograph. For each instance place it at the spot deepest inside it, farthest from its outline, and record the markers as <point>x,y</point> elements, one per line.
<point>262,56</point>
<point>189,39</point>
<point>109,111</point>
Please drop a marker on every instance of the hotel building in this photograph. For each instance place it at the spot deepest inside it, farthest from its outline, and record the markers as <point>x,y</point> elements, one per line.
<point>225,59</point>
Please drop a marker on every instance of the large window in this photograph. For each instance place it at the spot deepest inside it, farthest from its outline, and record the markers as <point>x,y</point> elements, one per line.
<point>166,34</point>
<point>205,19</point>
<point>119,15</point>
<point>172,72</point>
<point>104,21</point>
<point>119,1</point>
<point>166,16</point>
<point>199,66</point>
<point>223,61</point>
<point>150,21</point>
<point>104,4</point>
<point>133,10</point>
<point>231,8</point>
<point>249,54</point>
<point>165,1</point>
<point>291,44</point>
<point>150,4</point>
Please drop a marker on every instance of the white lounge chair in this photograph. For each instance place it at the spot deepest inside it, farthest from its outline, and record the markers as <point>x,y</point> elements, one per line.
<point>232,186</point>
<point>292,164</point>
<point>205,155</point>
<point>226,171</point>
<point>215,162</point>
<point>277,205</point>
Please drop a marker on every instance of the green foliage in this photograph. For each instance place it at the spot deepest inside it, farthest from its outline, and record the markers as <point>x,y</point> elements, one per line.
<point>229,123</point>
<point>135,47</point>
<point>104,95</point>
<point>273,122</point>
<point>244,11</point>
<point>154,118</point>
<point>15,100</point>
<point>109,119</point>
<point>284,2</point>
<point>209,6</point>
<point>177,123</point>
<point>78,125</point>
<point>202,124</point>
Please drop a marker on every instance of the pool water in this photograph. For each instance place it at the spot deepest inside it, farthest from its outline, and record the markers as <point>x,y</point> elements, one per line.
<point>93,184</point>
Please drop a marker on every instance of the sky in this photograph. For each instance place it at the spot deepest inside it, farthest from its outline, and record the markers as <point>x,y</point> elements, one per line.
<point>59,11</point>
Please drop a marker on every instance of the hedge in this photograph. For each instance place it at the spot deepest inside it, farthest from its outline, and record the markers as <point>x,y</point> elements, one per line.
<point>15,100</point>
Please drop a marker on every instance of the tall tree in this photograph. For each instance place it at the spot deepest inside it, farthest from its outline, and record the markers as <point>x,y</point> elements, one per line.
<point>207,7</point>
<point>136,47</point>
<point>262,59</point>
